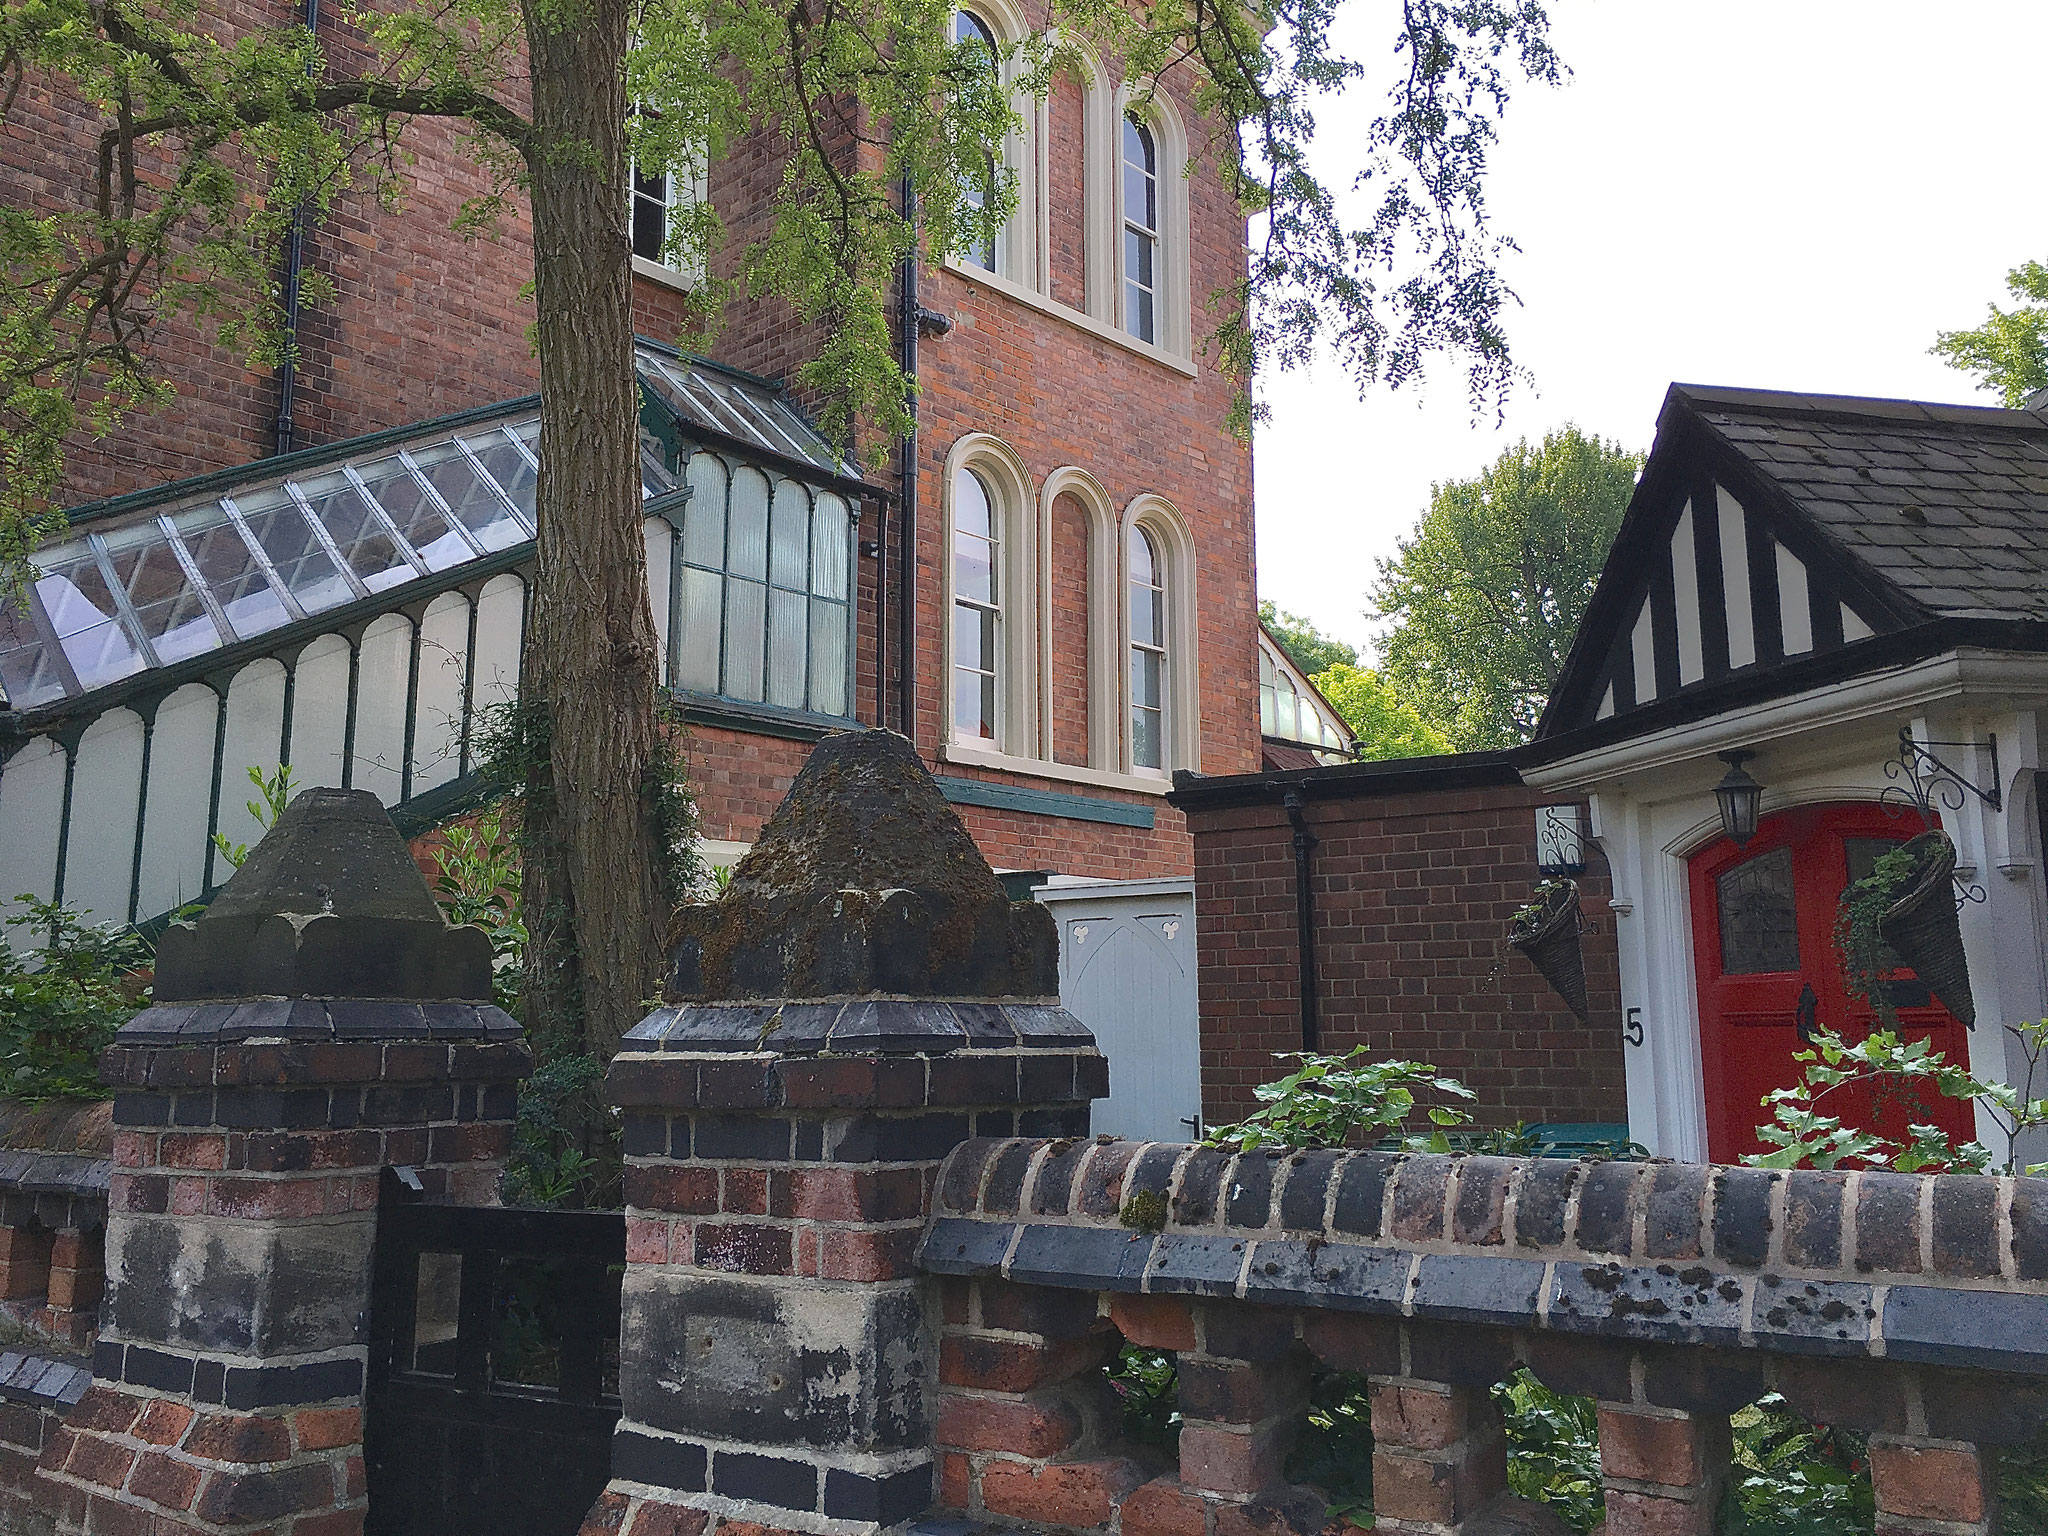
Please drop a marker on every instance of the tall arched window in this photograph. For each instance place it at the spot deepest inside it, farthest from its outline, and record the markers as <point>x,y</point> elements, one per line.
<point>1148,654</point>
<point>983,253</point>
<point>977,611</point>
<point>1141,231</point>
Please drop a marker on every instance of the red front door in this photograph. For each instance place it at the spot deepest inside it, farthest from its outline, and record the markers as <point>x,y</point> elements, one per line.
<point>1763,920</point>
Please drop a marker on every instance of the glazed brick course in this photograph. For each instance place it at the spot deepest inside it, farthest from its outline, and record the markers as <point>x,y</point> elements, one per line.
<point>1413,893</point>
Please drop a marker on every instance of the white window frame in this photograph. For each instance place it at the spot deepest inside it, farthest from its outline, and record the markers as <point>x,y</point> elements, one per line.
<point>1173,554</point>
<point>1018,242</point>
<point>1171,323</point>
<point>680,193</point>
<point>1012,508</point>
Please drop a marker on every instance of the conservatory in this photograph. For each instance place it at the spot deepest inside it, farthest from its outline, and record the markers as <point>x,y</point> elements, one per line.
<point>351,609</point>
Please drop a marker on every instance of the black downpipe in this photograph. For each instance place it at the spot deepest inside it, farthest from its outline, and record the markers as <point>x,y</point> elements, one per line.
<point>906,638</point>
<point>1304,917</point>
<point>294,264</point>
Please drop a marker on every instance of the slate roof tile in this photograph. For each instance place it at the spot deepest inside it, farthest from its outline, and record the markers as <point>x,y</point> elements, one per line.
<point>1979,542</point>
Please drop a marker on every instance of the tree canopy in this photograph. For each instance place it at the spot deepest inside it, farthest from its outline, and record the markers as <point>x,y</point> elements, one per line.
<point>1306,646</point>
<point>1486,595</point>
<point>2009,351</point>
<point>1383,723</point>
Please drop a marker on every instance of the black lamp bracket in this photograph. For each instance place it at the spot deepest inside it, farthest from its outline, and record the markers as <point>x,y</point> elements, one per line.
<point>1920,776</point>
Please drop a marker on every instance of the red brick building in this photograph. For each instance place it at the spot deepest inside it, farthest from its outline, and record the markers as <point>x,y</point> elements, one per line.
<point>1083,613</point>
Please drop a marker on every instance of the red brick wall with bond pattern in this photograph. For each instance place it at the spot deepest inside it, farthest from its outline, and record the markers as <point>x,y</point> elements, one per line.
<point>427,323</point>
<point>1413,894</point>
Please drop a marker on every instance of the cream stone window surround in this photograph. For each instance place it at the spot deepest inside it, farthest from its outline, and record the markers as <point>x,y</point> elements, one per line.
<point>1173,323</point>
<point>1105,726</point>
<point>1020,241</point>
<point>1174,551</point>
<point>1015,509</point>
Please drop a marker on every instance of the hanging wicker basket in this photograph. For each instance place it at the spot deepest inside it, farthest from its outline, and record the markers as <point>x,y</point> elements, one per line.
<point>1921,926</point>
<point>1549,935</point>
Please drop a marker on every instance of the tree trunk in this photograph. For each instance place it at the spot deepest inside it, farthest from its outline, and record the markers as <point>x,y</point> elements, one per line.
<point>589,666</point>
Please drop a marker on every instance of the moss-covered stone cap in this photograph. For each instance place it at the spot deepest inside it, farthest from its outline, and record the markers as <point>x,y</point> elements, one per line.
<point>863,882</point>
<point>330,905</point>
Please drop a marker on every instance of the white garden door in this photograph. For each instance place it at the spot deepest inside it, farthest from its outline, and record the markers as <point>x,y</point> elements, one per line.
<point>1127,971</point>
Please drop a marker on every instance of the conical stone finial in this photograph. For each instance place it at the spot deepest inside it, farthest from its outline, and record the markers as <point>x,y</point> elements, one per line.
<point>329,905</point>
<point>862,909</point>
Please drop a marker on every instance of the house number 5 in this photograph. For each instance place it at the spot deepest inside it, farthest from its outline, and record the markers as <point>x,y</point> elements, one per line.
<point>1632,1027</point>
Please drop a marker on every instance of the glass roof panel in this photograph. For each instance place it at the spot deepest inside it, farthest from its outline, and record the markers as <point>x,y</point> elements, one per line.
<point>360,534</point>
<point>296,553</point>
<point>473,500</point>
<point>171,615</point>
<point>26,671</point>
<point>150,582</point>
<point>229,569</point>
<point>85,616</point>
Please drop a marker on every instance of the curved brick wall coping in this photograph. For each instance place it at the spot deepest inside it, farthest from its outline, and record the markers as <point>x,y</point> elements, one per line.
<point>315,1018</point>
<point>1948,1270</point>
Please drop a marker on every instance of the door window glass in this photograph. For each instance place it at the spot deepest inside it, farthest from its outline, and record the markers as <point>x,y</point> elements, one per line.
<point>1759,930</point>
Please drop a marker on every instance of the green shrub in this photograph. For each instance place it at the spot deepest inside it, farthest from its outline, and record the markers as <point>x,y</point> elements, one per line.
<point>1553,1449</point>
<point>1792,1478</point>
<point>61,1003</point>
<point>1147,1385</point>
<point>1327,1099</point>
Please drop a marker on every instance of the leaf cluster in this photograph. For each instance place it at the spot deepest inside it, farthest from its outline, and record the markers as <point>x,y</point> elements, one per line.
<point>274,790</point>
<point>61,1002</point>
<point>1805,1136</point>
<point>1791,1478</point>
<point>477,879</point>
<point>1382,722</point>
<point>2009,351</point>
<point>1485,598</point>
<point>1554,1443</point>
<point>1327,1100</point>
<point>1866,958</point>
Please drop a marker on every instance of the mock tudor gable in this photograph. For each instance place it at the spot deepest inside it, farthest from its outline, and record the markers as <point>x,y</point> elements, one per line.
<point>1778,542</point>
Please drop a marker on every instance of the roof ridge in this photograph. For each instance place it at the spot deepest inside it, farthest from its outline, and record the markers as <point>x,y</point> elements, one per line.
<point>1867,407</point>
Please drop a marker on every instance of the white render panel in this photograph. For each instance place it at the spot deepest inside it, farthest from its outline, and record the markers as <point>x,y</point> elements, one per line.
<point>255,736</point>
<point>380,707</point>
<point>437,716</point>
<point>499,612</point>
<point>1795,617</point>
<point>1735,579</point>
<point>1685,590</point>
<point>1853,627</point>
<point>320,713</point>
<point>659,537</point>
<point>1643,644</point>
<point>105,787</point>
<point>180,785</point>
<point>31,808</point>
<point>1606,703</point>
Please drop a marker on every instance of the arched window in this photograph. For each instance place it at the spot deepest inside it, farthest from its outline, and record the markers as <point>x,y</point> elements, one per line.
<point>1148,654</point>
<point>977,611</point>
<point>984,252</point>
<point>1141,230</point>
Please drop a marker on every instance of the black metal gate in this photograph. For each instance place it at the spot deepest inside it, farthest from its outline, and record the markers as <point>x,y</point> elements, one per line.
<point>494,1368</point>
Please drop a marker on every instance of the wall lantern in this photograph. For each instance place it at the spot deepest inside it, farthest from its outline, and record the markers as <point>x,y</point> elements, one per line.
<point>1741,799</point>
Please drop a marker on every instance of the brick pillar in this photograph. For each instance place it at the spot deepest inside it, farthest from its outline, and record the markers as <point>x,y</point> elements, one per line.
<point>1663,1470</point>
<point>862,999</point>
<point>1439,1455</point>
<point>318,1024</point>
<point>1933,1486</point>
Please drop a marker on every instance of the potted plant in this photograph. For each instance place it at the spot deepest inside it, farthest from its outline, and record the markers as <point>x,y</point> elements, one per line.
<point>1546,929</point>
<point>1904,913</point>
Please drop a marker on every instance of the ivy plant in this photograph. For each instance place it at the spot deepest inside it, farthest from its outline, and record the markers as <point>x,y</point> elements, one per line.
<point>1325,1100</point>
<point>1865,955</point>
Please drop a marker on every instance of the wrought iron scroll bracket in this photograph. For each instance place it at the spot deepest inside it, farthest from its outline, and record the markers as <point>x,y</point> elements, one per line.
<point>1921,777</point>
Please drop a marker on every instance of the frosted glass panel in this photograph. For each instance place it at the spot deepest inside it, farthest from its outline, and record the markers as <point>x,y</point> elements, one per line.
<point>696,658</point>
<point>82,611</point>
<point>302,563</point>
<point>704,512</point>
<point>788,616</point>
<point>415,513</point>
<point>171,613</point>
<point>828,658</point>
<point>358,532</point>
<point>475,505</point>
<point>506,465</point>
<point>789,544</point>
<point>745,628</point>
<point>830,530</point>
<point>746,550</point>
<point>229,570</point>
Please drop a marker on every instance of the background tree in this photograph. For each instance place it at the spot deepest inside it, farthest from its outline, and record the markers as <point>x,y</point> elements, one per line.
<point>1485,597</point>
<point>2009,351</point>
<point>1384,724</point>
<point>213,139</point>
<point>1306,646</point>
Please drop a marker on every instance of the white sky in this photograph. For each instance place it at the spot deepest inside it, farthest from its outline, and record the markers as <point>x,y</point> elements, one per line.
<point>1781,194</point>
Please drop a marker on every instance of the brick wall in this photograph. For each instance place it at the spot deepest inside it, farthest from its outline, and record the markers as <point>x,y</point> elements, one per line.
<point>1673,1295</point>
<point>1069,700</point>
<point>1414,886</point>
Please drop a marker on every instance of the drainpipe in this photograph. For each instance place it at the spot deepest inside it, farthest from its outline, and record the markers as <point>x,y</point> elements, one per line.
<point>1304,917</point>
<point>906,640</point>
<point>294,264</point>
